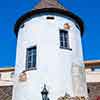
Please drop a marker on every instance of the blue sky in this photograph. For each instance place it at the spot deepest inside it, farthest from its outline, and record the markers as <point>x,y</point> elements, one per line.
<point>11,10</point>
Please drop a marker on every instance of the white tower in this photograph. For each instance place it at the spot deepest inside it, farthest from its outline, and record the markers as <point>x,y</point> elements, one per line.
<point>49,61</point>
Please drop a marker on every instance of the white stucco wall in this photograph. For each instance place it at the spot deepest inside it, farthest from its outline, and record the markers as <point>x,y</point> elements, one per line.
<point>6,75</point>
<point>54,65</point>
<point>6,78</point>
<point>93,77</point>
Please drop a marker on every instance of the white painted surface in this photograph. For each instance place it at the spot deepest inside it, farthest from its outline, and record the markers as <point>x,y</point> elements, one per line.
<point>93,77</point>
<point>6,83</point>
<point>54,65</point>
<point>6,79</point>
<point>6,75</point>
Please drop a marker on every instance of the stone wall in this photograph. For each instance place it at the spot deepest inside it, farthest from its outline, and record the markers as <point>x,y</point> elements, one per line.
<point>94,91</point>
<point>5,92</point>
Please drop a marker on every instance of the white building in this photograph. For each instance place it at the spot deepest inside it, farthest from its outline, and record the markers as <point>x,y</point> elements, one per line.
<point>6,83</point>
<point>49,61</point>
<point>93,79</point>
<point>92,69</point>
<point>6,76</point>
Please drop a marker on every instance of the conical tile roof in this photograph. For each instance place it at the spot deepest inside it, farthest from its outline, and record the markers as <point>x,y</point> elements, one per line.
<point>49,4</point>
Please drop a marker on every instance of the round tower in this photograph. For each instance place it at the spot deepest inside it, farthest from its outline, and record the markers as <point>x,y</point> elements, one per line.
<point>49,61</point>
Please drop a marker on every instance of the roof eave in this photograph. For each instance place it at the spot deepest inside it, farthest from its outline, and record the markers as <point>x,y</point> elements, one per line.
<point>28,15</point>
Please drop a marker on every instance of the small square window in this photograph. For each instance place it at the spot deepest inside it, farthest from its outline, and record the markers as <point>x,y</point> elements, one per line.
<point>12,75</point>
<point>50,18</point>
<point>0,75</point>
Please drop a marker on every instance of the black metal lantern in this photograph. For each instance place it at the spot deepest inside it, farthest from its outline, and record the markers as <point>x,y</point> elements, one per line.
<point>44,93</point>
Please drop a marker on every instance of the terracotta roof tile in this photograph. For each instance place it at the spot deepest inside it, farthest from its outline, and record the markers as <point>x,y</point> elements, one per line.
<point>49,4</point>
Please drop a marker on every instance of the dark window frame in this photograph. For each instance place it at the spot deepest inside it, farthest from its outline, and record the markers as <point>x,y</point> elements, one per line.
<point>64,39</point>
<point>31,57</point>
<point>50,17</point>
<point>12,74</point>
<point>0,75</point>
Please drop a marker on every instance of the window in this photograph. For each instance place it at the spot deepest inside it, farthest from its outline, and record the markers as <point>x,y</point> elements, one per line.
<point>31,58</point>
<point>50,18</point>
<point>0,75</point>
<point>95,68</point>
<point>12,74</point>
<point>64,39</point>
